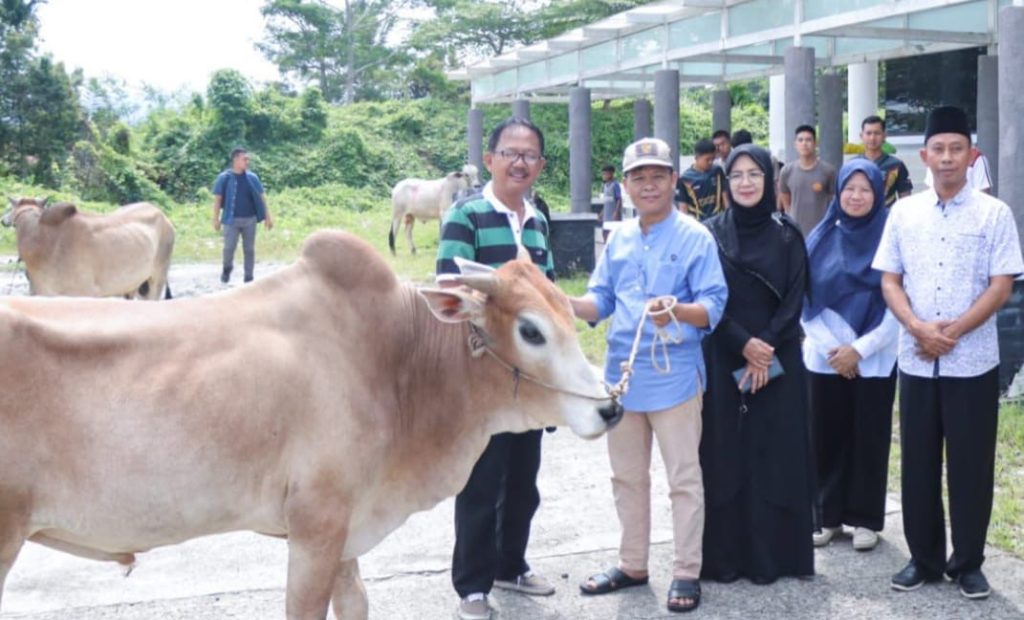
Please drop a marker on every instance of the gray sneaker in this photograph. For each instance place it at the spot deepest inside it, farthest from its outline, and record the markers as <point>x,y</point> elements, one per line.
<point>527,583</point>
<point>476,609</point>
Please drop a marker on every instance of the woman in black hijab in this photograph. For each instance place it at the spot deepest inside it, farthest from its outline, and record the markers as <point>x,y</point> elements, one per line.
<point>755,450</point>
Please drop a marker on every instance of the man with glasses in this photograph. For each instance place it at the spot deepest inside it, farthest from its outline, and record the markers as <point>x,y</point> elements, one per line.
<point>494,510</point>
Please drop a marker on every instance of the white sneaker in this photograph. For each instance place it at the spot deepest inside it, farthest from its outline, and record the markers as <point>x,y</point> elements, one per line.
<point>474,607</point>
<point>864,539</point>
<point>528,583</point>
<point>826,535</point>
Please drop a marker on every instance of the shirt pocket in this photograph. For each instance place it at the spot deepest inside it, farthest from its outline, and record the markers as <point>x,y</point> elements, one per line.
<point>668,275</point>
<point>971,256</point>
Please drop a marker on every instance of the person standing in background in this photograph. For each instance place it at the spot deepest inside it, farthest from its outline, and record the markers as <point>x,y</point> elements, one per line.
<point>701,189</point>
<point>806,185</point>
<point>239,204</point>
<point>894,171</point>
<point>611,199</point>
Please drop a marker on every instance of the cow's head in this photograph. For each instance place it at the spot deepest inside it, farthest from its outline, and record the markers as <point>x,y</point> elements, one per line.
<point>523,327</point>
<point>472,174</point>
<point>18,205</point>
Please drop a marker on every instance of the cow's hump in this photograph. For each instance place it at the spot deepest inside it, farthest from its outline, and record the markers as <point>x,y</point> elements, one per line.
<point>347,261</point>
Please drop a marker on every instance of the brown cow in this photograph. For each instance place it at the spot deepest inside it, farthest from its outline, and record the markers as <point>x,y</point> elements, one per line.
<point>325,404</point>
<point>126,253</point>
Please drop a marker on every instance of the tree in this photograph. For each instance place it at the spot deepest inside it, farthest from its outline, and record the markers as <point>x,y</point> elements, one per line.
<point>230,98</point>
<point>466,28</point>
<point>40,116</point>
<point>338,48</point>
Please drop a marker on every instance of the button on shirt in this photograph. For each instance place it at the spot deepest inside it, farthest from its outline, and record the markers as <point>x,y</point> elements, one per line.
<point>676,257</point>
<point>947,252</point>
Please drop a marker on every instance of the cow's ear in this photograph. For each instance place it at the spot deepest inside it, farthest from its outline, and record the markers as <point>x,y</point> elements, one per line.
<point>452,305</point>
<point>14,201</point>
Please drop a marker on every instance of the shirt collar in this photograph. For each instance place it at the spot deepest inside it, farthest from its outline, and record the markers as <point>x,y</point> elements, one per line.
<point>668,222</point>
<point>499,206</point>
<point>961,197</point>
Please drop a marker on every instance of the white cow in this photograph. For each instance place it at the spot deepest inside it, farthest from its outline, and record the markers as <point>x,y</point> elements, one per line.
<point>324,404</point>
<point>420,199</point>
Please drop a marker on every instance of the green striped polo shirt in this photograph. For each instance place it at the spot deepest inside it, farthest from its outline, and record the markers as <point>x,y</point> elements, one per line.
<point>476,231</point>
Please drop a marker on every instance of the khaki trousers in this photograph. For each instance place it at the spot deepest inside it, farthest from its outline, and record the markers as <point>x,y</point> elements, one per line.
<point>629,449</point>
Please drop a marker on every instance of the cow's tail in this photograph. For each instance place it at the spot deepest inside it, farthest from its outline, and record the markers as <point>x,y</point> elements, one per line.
<point>167,291</point>
<point>391,237</point>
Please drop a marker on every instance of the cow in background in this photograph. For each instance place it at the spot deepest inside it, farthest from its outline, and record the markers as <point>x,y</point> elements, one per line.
<point>420,199</point>
<point>126,253</point>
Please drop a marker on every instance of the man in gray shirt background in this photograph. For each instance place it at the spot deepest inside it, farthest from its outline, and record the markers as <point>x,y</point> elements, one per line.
<point>806,185</point>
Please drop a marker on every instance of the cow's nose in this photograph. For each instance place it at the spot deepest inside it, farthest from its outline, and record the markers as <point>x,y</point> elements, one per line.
<point>611,414</point>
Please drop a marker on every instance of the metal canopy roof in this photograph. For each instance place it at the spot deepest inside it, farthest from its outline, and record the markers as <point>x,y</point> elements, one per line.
<point>719,41</point>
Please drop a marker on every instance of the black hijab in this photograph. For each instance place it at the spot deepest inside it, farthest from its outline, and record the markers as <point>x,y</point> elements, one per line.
<point>756,239</point>
<point>761,214</point>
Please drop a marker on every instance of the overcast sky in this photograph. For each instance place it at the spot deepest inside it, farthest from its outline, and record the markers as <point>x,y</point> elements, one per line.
<point>169,45</point>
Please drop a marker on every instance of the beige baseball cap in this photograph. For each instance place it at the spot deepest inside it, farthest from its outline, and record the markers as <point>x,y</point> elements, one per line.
<point>647,152</point>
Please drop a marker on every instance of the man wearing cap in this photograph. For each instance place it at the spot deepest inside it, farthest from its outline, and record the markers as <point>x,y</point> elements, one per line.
<point>948,256</point>
<point>660,253</point>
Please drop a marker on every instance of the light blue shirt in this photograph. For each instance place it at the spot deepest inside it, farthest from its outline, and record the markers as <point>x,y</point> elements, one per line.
<point>677,256</point>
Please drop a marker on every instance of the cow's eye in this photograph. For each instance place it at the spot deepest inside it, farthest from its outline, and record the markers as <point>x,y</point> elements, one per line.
<point>530,333</point>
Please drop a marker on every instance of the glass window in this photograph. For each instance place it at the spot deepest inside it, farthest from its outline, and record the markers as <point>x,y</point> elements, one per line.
<point>533,74</point>
<point>505,81</point>
<point>970,17</point>
<point>563,66</point>
<point>696,30</point>
<point>599,56</point>
<point>643,44</point>
<point>759,15</point>
<point>814,9</point>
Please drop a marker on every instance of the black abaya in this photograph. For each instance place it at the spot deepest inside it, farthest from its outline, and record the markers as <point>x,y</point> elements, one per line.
<point>755,450</point>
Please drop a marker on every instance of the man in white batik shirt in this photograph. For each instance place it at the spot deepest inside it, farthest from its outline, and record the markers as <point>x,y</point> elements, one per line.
<point>948,256</point>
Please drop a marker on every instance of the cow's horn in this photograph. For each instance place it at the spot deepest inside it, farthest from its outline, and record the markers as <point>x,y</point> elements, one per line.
<point>486,284</point>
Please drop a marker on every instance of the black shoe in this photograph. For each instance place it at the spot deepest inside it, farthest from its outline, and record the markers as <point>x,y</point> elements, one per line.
<point>973,584</point>
<point>225,275</point>
<point>911,578</point>
<point>247,279</point>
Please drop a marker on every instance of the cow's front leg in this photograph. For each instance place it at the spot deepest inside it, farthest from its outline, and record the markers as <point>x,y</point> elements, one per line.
<point>349,597</point>
<point>12,537</point>
<point>317,528</point>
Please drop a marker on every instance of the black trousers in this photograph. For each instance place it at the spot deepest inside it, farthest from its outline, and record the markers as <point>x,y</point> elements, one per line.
<point>493,513</point>
<point>963,413</point>
<point>852,421</point>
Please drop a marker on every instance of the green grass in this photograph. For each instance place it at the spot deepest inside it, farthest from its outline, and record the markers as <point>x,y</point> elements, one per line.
<point>1006,530</point>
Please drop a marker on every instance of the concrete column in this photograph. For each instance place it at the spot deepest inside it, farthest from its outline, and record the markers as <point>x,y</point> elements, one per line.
<point>475,138</point>
<point>666,110</point>
<point>721,110</point>
<point>641,119</point>
<point>1011,110</point>
<point>521,108</point>
<point>988,113</point>
<point>580,156</point>
<point>799,63</point>
<point>861,95</point>
<point>777,116</point>
<point>830,120</point>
